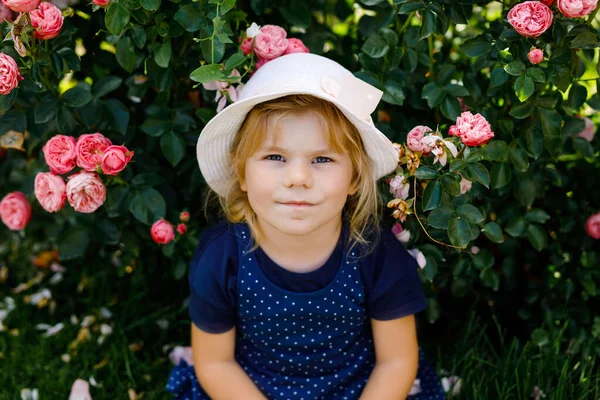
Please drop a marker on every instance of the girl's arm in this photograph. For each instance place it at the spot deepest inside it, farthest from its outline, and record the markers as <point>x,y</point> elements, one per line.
<point>397,359</point>
<point>216,368</point>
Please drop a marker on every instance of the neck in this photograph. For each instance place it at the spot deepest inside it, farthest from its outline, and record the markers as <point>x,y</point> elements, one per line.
<point>301,253</point>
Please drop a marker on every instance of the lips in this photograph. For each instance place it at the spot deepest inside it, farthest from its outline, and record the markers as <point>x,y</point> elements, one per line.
<point>297,203</point>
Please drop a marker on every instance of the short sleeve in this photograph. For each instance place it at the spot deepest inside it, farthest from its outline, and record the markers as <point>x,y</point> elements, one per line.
<point>212,279</point>
<point>392,281</point>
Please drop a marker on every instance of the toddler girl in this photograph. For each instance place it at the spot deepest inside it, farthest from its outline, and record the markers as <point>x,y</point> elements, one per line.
<point>299,294</point>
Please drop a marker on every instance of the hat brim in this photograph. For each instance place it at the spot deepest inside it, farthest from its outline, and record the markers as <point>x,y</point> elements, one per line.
<point>214,143</point>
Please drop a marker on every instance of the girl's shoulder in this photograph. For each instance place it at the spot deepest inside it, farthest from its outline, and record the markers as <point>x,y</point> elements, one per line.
<point>216,251</point>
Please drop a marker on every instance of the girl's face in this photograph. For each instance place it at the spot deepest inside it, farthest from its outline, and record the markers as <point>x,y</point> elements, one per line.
<point>297,184</point>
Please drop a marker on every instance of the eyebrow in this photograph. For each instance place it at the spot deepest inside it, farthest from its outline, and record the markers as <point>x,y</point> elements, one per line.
<point>280,150</point>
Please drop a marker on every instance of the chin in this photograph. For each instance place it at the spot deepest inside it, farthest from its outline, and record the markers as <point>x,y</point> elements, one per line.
<point>293,227</point>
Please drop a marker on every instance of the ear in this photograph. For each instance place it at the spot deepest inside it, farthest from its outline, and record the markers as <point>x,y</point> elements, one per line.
<point>243,185</point>
<point>352,189</point>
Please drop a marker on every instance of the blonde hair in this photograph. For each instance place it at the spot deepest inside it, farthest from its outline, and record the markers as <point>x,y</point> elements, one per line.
<point>361,209</point>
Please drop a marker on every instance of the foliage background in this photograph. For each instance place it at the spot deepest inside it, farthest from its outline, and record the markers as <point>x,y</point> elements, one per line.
<point>125,71</point>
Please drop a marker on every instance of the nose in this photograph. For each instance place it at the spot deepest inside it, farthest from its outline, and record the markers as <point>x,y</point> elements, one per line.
<point>297,174</point>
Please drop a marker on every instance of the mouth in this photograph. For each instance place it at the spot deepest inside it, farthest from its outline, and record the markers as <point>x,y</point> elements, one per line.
<point>301,204</point>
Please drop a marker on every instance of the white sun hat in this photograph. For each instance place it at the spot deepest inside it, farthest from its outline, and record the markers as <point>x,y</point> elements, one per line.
<point>296,73</point>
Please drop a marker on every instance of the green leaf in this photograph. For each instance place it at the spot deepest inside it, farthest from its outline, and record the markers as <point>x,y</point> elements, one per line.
<point>156,126</point>
<point>525,191</point>
<point>493,232</point>
<point>516,226</point>
<point>173,147</point>
<point>65,121</point>
<point>583,147</point>
<point>439,217</point>
<point>393,92</point>
<point>6,101</point>
<point>458,165</point>
<point>77,96</point>
<point>479,173</point>
<point>551,126</point>
<point>235,60</point>
<point>469,213</point>
<point>433,93</point>
<point>515,68</point>
<point>459,232</point>
<point>536,74</point>
<point>500,175</point>
<point>457,90</point>
<point>147,206</point>
<point>432,195</point>
<point>496,150</point>
<point>537,215</point>
<point>561,78</point>
<point>298,13</point>
<point>71,58</point>
<point>108,231</point>
<point>139,37</point>
<point>191,17</point>
<point>126,54</point>
<point>521,110</point>
<point>147,179</point>
<point>537,236</point>
<point>451,183</point>
<point>73,244</point>
<point>117,16</point>
<point>524,87</point>
<point>207,73</point>
<point>375,47</point>
<point>476,47</point>
<point>47,109</point>
<point>535,142</point>
<point>519,159</point>
<point>427,24</point>
<point>426,172</point>
<point>106,85</point>
<point>498,77</point>
<point>540,337</point>
<point>57,64</point>
<point>577,96</point>
<point>162,56</point>
<point>117,115</point>
<point>150,5</point>
<point>450,108</point>
<point>490,279</point>
<point>180,269</point>
<point>585,40</point>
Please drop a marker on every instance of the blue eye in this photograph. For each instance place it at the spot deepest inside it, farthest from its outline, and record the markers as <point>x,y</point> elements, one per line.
<point>274,157</point>
<point>321,160</point>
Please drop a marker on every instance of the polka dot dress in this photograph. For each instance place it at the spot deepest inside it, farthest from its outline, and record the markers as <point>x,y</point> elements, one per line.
<point>315,345</point>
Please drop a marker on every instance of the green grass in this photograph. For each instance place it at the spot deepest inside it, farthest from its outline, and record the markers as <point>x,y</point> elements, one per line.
<point>490,365</point>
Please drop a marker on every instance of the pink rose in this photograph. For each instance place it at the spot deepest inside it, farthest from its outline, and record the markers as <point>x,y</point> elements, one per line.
<point>576,8</point>
<point>89,149</point>
<point>162,232</point>
<point>588,131</point>
<point>260,62</point>
<point>21,5</point>
<point>115,159</point>
<point>184,216</point>
<point>271,42</point>
<point>296,46</point>
<point>535,56</point>
<point>181,228</point>
<point>473,130</point>
<point>59,153</point>
<point>5,13</point>
<point>415,137</point>
<point>9,74</point>
<point>530,18</point>
<point>85,191</point>
<point>15,211</point>
<point>50,190</point>
<point>47,20</point>
<point>101,3</point>
<point>246,46</point>
<point>465,185</point>
<point>592,225</point>
<point>401,234</point>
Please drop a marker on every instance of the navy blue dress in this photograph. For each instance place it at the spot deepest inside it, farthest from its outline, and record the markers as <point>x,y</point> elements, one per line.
<point>298,344</point>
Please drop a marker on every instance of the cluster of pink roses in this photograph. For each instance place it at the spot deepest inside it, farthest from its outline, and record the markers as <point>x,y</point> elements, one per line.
<point>84,190</point>
<point>532,18</point>
<point>162,231</point>
<point>269,42</point>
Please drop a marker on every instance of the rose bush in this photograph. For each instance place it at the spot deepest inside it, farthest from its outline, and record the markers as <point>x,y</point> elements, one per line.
<point>493,198</point>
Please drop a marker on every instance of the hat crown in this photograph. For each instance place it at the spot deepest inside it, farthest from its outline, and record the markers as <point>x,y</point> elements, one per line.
<point>292,72</point>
